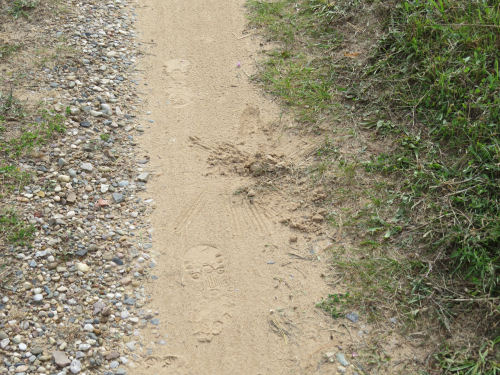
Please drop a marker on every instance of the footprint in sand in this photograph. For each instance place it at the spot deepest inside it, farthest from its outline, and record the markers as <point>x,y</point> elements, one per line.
<point>205,270</point>
<point>250,121</point>
<point>210,322</point>
<point>178,93</point>
<point>208,287</point>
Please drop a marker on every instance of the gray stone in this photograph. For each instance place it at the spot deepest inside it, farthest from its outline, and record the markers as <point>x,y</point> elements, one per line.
<point>143,177</point>
<point>106,109</point>
<point>87,167</point>
<point>4,343</point>
<point>118,197</point>
<point>36,350</point>
<point>353,317</point>
<point>341,359</point>
<point>76,366</point>
<point>61,359</point>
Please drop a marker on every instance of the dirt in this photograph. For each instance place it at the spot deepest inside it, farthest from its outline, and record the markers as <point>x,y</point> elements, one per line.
<point>241,262</point>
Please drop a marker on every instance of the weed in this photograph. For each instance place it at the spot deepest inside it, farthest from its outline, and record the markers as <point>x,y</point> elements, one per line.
<point>105,137</point>
<point>334,304</point>
<point>8,49</point>
<point>466,363</point>
<point>33,134</point>
<point>10,107</point>
<point>20,8</point>
<point>12,178</point>
<point>15,230</point>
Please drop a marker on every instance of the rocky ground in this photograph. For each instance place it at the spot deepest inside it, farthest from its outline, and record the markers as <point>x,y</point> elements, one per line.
<point>71,299</point>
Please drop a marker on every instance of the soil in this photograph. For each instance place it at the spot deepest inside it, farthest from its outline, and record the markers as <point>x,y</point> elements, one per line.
<point>241,262</point>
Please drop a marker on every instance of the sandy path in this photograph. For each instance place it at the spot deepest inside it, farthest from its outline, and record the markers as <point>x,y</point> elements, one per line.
<point>230,298</point>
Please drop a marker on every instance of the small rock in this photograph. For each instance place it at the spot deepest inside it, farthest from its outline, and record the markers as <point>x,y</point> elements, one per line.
<point>76,366</point>
<point>87,167</point>
<point>61,359</point>
<point>118,198</point>
<point>82,267</point>
<point>143,177</point>
<point>22,368</point>
<point>36,350</point>
<point>4,343</point>
<point>352,316</point>
<point>330,357</point>
<point>341,359</point>
<point>112,355</point>
<point>71,197</point>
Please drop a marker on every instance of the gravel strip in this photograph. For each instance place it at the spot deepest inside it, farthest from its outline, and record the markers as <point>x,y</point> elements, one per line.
<point>74,300</point>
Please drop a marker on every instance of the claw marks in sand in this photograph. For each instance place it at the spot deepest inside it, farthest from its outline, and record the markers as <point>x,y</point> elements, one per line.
<point>184,219</point>
<point>246,215</point>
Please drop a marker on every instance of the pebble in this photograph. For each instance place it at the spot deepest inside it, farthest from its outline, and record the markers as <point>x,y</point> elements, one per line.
<point>82,267</point>
<point>61,359</point>
<point>143,177</point>
<point>4,343</point>
<point>352,316</point>
<point>87,167</point>
<point>118,198</point>
<point>76,366</point>
<point>341,358</point>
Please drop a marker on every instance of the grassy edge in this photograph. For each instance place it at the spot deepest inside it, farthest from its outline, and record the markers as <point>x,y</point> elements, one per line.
<point>298,73</point>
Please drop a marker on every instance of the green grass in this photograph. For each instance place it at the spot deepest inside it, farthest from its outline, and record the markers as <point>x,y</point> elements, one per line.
<point>334,304</point>
<point>21,8</point>
<point>7,50</point>
<point>14,230</point>
<point>12,178</point>
<point>33,134</point>
<point>427,78</point>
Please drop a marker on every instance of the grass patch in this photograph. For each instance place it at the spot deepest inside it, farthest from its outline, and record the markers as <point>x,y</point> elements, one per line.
<point>334,304</point>
<point>8,49</point>
<point>21,8</point>
<point>423,74</point>
<point>14,230</point>
<point>12,178</point>
<point>27,135</point>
